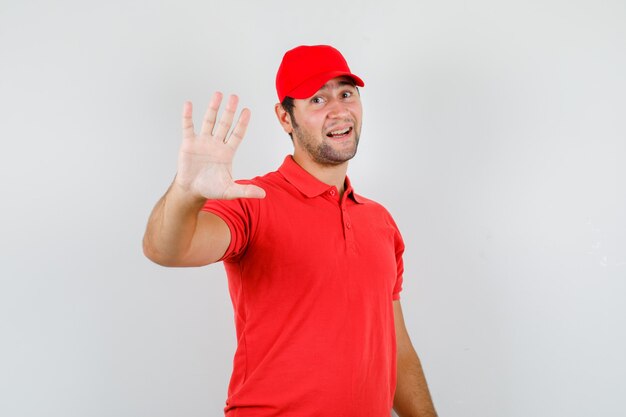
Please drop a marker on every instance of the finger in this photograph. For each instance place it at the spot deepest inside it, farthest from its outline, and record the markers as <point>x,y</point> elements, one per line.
<point>226,120</point>
<point>236,136</point>
<point>211,114</point>
<point>244,191</point>
<point>187,120</point>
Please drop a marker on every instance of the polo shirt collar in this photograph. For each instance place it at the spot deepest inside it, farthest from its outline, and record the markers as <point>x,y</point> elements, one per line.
<point>307,184</point>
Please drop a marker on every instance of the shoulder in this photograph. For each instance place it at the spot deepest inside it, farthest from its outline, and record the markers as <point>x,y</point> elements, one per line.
<point>372,206</point>
<point>376,211</point>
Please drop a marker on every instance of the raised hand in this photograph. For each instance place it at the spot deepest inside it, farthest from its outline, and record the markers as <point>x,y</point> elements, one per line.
<point>205,159</point>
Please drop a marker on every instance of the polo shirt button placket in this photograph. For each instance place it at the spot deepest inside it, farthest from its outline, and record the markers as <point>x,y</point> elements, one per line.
<point>344,216</point>
<point>347,224</point>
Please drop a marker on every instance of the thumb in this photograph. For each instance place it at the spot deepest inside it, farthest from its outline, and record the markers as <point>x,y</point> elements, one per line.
<point>244,191</point>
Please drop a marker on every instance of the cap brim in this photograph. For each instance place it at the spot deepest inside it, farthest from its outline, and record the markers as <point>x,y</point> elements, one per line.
<point>310,86</point>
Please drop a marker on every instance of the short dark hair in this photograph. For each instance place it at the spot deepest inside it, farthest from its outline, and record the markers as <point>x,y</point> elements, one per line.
<point>288,104</point>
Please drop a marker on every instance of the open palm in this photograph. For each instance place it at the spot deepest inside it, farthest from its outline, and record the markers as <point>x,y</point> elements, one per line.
<point>205,159</point>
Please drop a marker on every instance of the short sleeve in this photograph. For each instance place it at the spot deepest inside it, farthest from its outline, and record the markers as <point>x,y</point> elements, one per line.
<point>240,215</point>
<point>399,247</point>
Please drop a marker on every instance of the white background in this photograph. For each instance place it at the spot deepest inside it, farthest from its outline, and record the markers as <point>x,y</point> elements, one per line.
<point>494,132</point>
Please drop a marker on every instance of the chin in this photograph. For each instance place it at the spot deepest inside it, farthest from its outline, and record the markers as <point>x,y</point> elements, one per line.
<point>331,157</point>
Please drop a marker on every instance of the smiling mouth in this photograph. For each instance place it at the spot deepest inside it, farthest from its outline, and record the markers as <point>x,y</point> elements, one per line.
<point>338,134</point>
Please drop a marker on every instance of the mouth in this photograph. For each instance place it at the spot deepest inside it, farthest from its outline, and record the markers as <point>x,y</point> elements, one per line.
<point>339,133</point>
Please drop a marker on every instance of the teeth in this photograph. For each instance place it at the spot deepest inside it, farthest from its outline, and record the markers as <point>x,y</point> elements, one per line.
<point>340,132</point>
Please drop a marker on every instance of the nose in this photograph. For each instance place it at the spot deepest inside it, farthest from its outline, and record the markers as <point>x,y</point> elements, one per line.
<point>338,110</point>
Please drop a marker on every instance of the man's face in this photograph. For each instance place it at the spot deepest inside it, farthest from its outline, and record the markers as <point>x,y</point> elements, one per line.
<point>327,125</point>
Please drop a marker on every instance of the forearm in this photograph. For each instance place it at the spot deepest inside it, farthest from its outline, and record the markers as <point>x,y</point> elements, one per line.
<point>171,227</point>
<point>412,398</point>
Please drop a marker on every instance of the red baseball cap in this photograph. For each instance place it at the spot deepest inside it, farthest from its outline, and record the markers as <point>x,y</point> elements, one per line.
<point>305,69</point>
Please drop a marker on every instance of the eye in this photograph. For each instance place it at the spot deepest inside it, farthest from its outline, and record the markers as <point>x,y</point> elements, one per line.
<point>317,100</point>
<point>346,94</point>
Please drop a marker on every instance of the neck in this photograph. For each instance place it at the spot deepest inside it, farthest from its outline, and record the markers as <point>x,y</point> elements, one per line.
<point>328,174</point>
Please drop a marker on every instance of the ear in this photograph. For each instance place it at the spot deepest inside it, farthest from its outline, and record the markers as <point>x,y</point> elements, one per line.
<point>283,118</point>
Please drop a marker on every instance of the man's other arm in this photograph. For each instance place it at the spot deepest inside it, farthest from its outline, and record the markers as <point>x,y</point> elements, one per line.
<point>412,398</point>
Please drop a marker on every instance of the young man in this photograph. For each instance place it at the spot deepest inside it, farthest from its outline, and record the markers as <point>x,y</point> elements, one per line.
<point>314,269</point>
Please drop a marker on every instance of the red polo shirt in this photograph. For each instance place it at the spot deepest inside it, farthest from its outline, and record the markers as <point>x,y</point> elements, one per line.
<point>312,279</point>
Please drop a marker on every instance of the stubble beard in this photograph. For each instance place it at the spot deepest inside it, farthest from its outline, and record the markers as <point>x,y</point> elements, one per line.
<point>323,152</point>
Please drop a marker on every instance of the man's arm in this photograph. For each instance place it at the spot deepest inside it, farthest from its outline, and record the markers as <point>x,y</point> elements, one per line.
<point>412,397</point>
<point>178,232</point>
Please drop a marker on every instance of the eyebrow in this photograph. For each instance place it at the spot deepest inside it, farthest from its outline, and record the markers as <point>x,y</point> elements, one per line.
<point>341,84</point>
